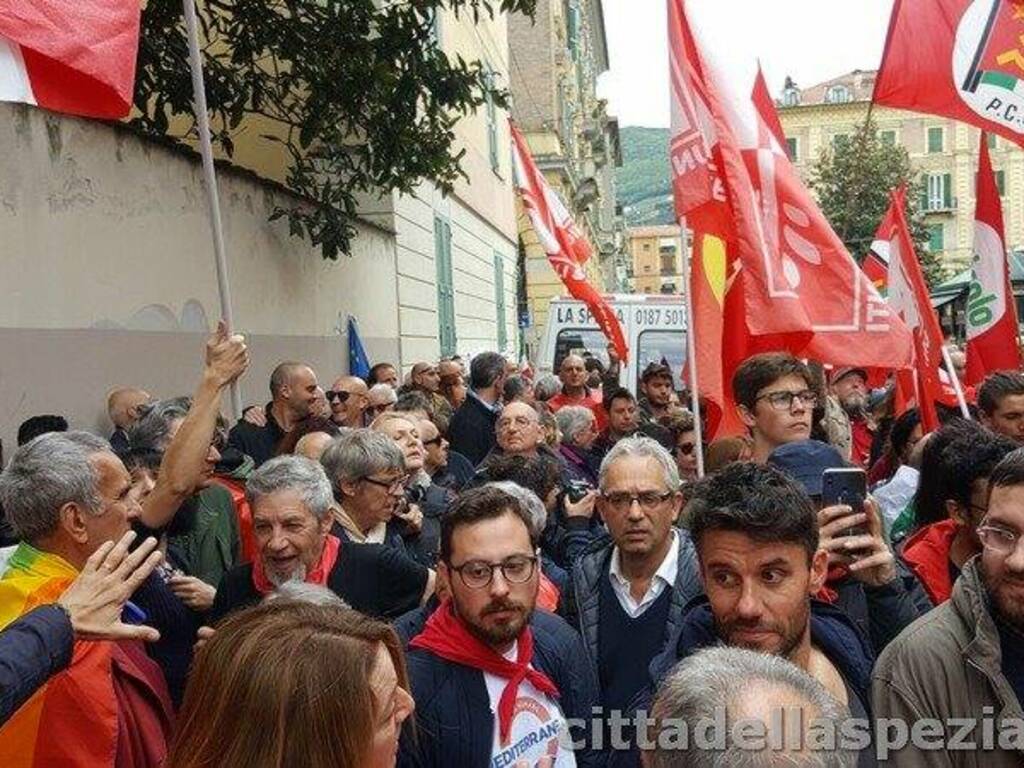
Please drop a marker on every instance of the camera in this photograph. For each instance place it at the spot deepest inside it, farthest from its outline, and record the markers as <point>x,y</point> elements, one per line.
<point>577,489</point>
<point>414,493</point>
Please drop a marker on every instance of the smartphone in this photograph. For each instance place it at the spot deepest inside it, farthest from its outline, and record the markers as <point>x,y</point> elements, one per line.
<point>849,486</point>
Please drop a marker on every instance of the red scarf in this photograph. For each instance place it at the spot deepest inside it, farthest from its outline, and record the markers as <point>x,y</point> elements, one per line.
<point>828,593</point>
<point>446,636</point>
<point>316,575</point>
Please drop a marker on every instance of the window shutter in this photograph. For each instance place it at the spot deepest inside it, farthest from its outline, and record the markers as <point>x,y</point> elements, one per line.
<point>499,301</point>
<point>947,191</point>
<point>445,289</point>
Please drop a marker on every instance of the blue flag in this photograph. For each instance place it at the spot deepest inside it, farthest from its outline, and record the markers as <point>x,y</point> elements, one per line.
<point>358,362</point>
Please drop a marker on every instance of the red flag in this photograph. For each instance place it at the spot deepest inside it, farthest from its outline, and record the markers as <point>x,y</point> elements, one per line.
<point>75,57</point>
<point>991,309</point>
<point>959,58</point>
<point>876,263</point>
<point>908,296</point>
<point>564,244</point>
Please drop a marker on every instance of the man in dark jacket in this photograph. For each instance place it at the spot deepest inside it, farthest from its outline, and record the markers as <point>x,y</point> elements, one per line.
<point>471,430</point>
<point>626,594</point>
<point>495,681</point>
<point>964,661</point>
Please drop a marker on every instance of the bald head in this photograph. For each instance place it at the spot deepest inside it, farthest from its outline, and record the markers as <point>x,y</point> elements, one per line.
<point>518,430</point>
<point>313,445</point>
<point>348,400</point>
<point>573,373</point>
<point>426,377</point>
<point>123,405</point>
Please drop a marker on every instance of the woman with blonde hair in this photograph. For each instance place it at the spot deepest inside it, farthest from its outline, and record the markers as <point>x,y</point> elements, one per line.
<point>287,683</point>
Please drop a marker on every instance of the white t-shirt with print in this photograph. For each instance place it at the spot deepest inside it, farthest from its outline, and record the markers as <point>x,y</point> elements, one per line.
<point>538,727</point>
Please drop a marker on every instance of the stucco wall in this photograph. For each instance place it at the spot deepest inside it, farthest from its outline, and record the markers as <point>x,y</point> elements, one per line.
<point>107,276</point>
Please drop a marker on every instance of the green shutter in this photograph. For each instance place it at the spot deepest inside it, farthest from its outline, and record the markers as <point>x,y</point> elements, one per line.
<point>936,238</point>
<point>934,140</point>
<point>991,139</point>
<point>791,146</point>
<point>572,31</point>
<point>947,191</point>
<point>492,121</point>
<point>445,289</point>
<point>1001,182</point>
<point>499,301</point>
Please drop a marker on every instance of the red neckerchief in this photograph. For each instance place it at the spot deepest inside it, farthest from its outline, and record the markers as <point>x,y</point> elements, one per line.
<point>446,636</point>
<point>317,574</point>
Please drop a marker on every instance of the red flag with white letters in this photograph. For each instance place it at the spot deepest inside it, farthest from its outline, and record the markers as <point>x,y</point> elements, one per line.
<point>565,245</point>
<point>991,308</point>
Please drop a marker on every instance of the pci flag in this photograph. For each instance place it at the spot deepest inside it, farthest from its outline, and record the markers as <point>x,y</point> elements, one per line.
<point>991,311</point>
<point>566,247</point>
<point>73,56</point>
<point>358,362</point>
<point>958,58</point>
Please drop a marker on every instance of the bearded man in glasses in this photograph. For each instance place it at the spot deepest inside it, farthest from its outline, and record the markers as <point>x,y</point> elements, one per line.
<point>964,661</point>
<point>495,680</point>
<point>776,398</point>
<point>628,590</point>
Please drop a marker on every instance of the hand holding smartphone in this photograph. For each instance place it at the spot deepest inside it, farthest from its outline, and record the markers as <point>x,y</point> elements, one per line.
<point>847,486</point>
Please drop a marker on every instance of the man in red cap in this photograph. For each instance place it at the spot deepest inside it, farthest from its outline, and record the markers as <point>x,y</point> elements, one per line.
<point>850,387</point>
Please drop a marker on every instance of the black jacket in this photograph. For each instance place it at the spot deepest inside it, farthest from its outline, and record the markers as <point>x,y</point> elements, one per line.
<point>581,601</point>
<point>257,442</point>
<point>454,724</point>
<point>33,649</point>
<point>471,430</point>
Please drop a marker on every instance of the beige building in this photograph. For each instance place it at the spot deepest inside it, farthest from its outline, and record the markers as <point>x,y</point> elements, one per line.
<point>556,60</point>
<point>944,151</point>
<point>655,255</point>
<point>108,268</point>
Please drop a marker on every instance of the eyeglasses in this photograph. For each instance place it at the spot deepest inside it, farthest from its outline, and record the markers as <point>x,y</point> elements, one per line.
<point>392,485</point>
<point>783,401</point>
<point>648,500</point>
<point>477,574</point>
<point>685,449</point>
<point>340,395</point>
<point>433,441</point>
<point>999,540</point>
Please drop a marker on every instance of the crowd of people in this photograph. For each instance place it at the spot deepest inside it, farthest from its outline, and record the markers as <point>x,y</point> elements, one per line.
<point>473,566</point>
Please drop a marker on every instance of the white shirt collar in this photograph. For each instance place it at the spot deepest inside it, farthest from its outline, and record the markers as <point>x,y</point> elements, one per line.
<point>664,577</point>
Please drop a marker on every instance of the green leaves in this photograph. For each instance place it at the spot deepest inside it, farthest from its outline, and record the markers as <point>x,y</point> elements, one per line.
<point>364,98</point>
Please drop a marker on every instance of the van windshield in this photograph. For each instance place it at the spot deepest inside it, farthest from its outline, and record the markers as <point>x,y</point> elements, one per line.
<point>581,341</point>
<point>656,346</point>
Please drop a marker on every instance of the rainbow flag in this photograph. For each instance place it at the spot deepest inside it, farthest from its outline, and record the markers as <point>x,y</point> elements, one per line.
<point>71,721</point>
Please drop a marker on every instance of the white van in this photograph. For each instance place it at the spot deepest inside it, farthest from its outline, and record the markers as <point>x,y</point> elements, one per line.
<point>654,326</point>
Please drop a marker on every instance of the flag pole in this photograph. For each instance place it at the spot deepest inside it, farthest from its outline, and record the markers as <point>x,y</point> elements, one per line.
<point>956,383</point>
<point>210,179</point>
<point>691,349</point>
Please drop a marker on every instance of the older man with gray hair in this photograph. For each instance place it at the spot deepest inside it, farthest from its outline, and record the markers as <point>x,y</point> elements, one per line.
<point>579,431</point>
<point>627,592</point>
<point>291,503</point>
<point>749,688</point>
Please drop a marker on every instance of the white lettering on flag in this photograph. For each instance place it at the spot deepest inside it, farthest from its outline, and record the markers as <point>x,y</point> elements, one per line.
<point>14,82</point>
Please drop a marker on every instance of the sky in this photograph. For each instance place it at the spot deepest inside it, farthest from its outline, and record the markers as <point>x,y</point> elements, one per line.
<point>809,40</point>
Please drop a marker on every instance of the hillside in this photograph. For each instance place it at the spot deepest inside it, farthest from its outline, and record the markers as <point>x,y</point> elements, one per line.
<point>644,187</point>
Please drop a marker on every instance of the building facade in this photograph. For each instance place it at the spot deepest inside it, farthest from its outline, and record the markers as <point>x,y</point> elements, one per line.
<point>556,59</point>
<point>655,255</point>
<point>943,151</point>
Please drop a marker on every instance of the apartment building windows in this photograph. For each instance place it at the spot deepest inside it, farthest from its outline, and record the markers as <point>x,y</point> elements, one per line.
<point>938,193</point>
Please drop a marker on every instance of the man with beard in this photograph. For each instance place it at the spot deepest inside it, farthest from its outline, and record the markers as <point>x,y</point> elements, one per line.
<point>965,659</point>
<point>494,679</point>
<point>756,535</point>
<point>850,388</point>
<point>775,398</point>
<point>294,392</point>
<point>291,502</point>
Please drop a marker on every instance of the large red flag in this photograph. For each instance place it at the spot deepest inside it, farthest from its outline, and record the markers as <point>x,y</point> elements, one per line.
<point>790,278</point>
<point>565,245</point>
<point>908,296</point>
<point>991,311</point>
<point>76,57</point>
<point>959,58</point>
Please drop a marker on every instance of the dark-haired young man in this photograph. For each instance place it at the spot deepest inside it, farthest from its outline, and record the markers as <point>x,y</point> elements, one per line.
<point>293,392</point>
<point>963,663</point>
<point>1001,404</point>
<point>471,430</point>
<point>383,373</point>
<point>494,679</point>
<point>776,399</point>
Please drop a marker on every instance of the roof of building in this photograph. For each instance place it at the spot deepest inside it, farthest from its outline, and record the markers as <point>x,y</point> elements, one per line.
<point>860,84</point>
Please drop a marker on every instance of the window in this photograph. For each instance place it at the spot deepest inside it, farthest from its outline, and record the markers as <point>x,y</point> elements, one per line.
<point>581,341</point>
<point>791,97</point>
<point>935,140</point>
<point>1001,183</point>
<point>668,261</point>
<point>990,138</point>
<point>938,192</point>
<point>888,138</point>
<point>499,301</point>
<point>838,94</point>
<point>445,289</point>
<point>655,346</point>
<point>492,119</point>
<point>647,246</point>
<point>936,238</point>
<point>572,29</point>
<point>791,148</point>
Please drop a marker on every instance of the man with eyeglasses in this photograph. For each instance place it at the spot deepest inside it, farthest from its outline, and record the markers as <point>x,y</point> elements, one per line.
<point>627,591</point>
<point>348,400</point>
<point>964,661</point>
<point>446,468</point>
<point>381,398</point>
<point>775,396</point>
<point>495,679</point>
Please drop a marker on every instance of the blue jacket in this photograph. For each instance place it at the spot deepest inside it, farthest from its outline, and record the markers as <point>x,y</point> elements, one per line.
<point>454,724</point>
<point>32,650</point>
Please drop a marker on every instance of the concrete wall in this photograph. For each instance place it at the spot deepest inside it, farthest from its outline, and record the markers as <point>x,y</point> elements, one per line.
<point>108,277</point>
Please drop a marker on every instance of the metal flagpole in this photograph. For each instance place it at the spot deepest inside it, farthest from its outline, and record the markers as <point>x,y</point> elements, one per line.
<point>210,178</point>
<point>691,351</point>
<point>956,383</point>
